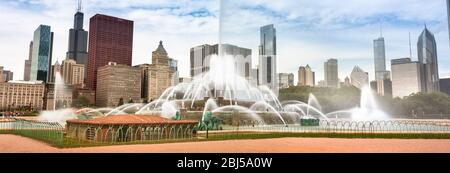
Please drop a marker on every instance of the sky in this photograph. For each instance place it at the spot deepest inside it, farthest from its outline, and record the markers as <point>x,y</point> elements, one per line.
<point>308,31</point>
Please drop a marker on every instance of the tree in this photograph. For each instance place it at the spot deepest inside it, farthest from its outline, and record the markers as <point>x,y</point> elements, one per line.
<point>81,101</point>
<point>120,102</point>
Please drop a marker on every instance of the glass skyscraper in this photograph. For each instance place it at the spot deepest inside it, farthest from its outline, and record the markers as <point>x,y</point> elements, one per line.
<point>41,54</point>
<point>427,54</point>
<point>267,58</point>
<point>379,58</point>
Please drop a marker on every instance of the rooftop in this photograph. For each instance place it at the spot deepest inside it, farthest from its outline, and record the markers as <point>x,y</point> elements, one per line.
<point>131,119</point>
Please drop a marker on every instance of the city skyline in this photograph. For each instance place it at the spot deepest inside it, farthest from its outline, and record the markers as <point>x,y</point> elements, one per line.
<point>304,33</point>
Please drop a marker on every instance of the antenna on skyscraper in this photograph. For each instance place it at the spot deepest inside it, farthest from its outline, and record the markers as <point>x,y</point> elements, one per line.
<point>80,3</point>
<point>410,49</point>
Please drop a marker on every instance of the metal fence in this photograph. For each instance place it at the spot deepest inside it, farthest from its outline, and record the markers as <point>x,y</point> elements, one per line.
<point>341,126</point>
<point>50,132</point>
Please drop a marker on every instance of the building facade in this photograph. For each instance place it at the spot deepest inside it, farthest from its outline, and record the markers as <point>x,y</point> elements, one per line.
<point>6,75</point>
<point>406,77</point>
<point>359,78</point>
<point>42,54</point>
<point>72,73</point>
<point>21,94</point>
<point>200,57</point>
<point>331,73</point>
<point>427,54</point>
<point>285,80</point>
<point>116,82</point>
<point>306,77</point>
<point>110,40</point>
<point>158,76</point>
<point>268,58</point>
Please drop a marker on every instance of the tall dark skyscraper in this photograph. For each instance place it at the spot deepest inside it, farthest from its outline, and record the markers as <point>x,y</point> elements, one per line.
<point>427,54</point>
<point>110,40</point>
<point>41,54</point>
<point>78,39</point>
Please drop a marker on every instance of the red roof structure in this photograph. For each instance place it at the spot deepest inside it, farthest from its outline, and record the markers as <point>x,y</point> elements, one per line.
<point>130,120</point>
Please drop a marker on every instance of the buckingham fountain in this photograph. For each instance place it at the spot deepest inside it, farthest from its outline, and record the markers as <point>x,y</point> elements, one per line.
<point>223,93</point>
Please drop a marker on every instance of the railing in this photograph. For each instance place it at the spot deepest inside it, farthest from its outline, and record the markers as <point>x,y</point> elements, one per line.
<point>50,132</point>
<point>341,126</point>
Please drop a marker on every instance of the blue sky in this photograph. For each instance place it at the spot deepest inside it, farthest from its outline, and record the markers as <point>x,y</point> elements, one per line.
<point>308,31</point>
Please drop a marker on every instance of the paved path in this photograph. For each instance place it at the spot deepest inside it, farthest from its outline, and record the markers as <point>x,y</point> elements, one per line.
<point>12,143</point>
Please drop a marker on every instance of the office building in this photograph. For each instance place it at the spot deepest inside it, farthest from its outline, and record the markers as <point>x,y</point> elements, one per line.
<point>21,94</point>
<point>117,82</point>
<point>306,77</point>
<point>268,58</point>
<point>359,78</point>
<point>285,80</point>
<point>42,54</point>
<point>159,75</point>
<point>406,77</point>
<point>427,55</point>
<point>331,73</point>
<point>110,40</point>
<point>200,57</point>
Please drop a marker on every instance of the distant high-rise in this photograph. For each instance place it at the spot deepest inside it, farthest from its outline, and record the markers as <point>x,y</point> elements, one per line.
<point>42,54</point>
<point>27,67</point>
<point>110,40</point>
<point>200,58</point>
<point>267,58</point>
<point>285,80</point>
<point>78,39</point>
<point>331,73</point>
<point>406,77</point>
<point>427,55</point>
<point>379,58</point>
<point>306,77</point>
<point>71,72</point>
<point>359,78</point>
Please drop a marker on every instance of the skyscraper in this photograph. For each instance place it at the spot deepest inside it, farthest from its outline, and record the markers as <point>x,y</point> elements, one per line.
<point>359,78</point>
<point>42,54</point>
<point>331,73</point>
<point>427,54</point>
<point>379,58</point>
<point>27,67</point>
<point>110,40</point>
<point>78,39</point>
<point>306,77</point>
<point>267,58</point>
